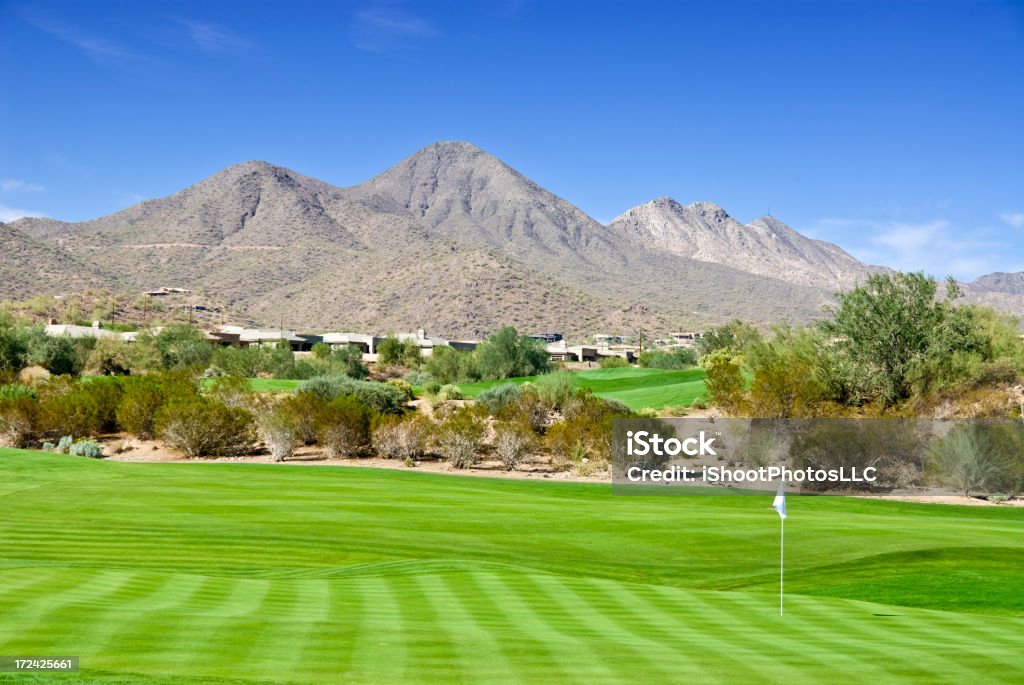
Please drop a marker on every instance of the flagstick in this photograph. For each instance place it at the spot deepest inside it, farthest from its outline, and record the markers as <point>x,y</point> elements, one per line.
<point>782,560</point>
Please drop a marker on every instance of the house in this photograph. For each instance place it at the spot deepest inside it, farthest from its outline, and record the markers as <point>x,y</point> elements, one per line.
<point>259,337</point>
<point>562,352</point>
<point>366,343</point>
<point>547,337</point>
<point>69,331</point>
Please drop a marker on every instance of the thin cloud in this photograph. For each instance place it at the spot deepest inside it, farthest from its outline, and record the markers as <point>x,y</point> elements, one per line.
<point>937,247</point>
<point>385,28</point>
<point>9,185</point>
<point>1015,219</point>
<point>212,38</point>
<point>12,213</point>
<point>93,46</point>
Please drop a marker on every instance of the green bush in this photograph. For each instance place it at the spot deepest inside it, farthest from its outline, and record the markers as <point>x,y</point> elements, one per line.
<point>404,386</point>
<point>458,437</point>
<point>68,407</point>
<point>676,359</point>
<point>449,392</point>
<point>17,416</point>
<point>302,410</point>
<point>495,399</point>
<point>448,365</point>
<point>145,395</point>
<point>343,427</point>
<point>557,388</point>
<point>86,448</point>
<point>203,427</point>
<point>394,352</point>
<point>613,362</point>
<point>506,354</point>
<point>380,397</point>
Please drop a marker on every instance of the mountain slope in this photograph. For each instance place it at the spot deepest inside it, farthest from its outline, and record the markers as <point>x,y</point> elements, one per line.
<point>450,239</point>
<point>705,232</point>
<point>29,266</point>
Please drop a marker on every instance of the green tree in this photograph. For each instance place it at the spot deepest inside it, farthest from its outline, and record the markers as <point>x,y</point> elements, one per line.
<point>506,354</point>
<point>889,326</point>
<point>733,337</point>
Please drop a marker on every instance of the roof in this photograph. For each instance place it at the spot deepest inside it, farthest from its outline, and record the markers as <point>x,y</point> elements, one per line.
<point>67,330</point>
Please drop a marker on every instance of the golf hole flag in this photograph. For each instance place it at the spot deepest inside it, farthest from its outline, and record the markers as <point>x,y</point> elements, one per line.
<point>779,505</point>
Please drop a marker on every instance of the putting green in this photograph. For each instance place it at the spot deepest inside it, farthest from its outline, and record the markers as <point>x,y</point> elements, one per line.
<point>218,573</point>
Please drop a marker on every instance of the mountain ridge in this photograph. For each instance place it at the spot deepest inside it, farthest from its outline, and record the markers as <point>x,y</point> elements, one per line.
<point>451,239</point>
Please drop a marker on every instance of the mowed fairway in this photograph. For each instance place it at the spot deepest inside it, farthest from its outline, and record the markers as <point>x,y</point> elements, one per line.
<point>217,573</point>
<point>636,387</point>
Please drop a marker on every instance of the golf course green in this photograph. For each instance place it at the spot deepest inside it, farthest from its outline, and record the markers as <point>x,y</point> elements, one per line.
<point>243,573</point>
<point>636,387</point>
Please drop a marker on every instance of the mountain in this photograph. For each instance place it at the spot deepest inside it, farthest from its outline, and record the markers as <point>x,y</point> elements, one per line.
<point>999,282</point>
<point>450,239</point>
<point>29,266</point>
<point>705,232</point>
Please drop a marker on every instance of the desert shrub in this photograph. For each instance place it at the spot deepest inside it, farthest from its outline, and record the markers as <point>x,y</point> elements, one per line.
<point>497,398</point>
<point>528,409</point>
<point>110,357</point>
<point>179,346</point>
<point>302,410</point>
<point>394,352</point>
<point>61,356</point>
<point>458,437</point>
<point>279,432</point>
<point>586,428</point>
<point>13,353</point>
<point>449,392</point>
<point>417,377</point>
<point>17,415</point>
<point>448,365</point>
<point>144,395</point>
<point>345,360</point>
<point>432,387</point>
<point>343,426</point>
<point>325,387</point>
<point>86,448</point>
<point>966,459</point>
<point>108,392</point>
<point>380,397</point>
<point>68,407</point>
<point>204,427</point>
<point>234,391</point>
<point>303,370</point>
<point>512,441</point>
<point>404,386</point>
<point>724,381</point>
<point>995,372</point>
<point>613,362</point>
<point>401,437</point>
<point>556,388</point>
<point>678,358</point>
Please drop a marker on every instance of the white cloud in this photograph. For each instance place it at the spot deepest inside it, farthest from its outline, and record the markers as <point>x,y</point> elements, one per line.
<point>9,185</point>
<point>381,28</point>
<point>8,214</point>
<point>1015,219</point>
<point>212,38</point>
<point>937,247</point>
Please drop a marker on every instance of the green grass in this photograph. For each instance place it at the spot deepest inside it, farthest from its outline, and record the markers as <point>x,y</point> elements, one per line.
<point>229,573</point>
<point>636,387</point>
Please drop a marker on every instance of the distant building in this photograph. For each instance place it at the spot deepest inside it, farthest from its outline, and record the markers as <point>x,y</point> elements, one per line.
<point>547,337</point>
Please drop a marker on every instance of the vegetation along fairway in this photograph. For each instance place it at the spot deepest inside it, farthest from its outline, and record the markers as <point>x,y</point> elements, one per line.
<point>636,387</point>
<point>217,573</point>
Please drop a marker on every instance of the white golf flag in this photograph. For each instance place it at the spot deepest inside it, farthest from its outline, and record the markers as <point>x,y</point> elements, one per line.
<point>779,504</point>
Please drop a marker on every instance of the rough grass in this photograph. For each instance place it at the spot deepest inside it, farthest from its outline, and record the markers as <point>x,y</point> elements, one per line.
<point>636,387</point>
<point>218,573</point>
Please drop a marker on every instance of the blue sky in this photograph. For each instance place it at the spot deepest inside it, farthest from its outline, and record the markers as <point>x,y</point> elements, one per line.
<point>893,129</point>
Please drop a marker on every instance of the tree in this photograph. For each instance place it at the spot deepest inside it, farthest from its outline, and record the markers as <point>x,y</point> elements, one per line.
<point>886,328</point>
<point>394,352</point>
<point>180,346</point>
<point>733,337</point>
<point>506,354</point>
<point>13,353</point>
<point>725,380</point>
